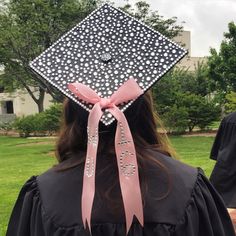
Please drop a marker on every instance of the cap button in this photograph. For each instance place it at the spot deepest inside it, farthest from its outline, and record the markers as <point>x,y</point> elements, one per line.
<point>106,57</point>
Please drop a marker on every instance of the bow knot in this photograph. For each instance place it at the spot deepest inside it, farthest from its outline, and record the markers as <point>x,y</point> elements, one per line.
<point>106,103</point>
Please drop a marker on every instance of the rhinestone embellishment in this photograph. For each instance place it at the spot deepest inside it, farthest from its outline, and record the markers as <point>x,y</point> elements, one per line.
<point>89,167</point>
<point>92,139</point>
<point>126,169</point>
<point>123,140</point>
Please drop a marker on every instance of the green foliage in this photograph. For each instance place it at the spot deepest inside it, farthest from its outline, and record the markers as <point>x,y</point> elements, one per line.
<point>6,126</point>
<point>184,99</point>
<point>201,112</point>
<point>25,125</point>
<point>42,123</point>
<point>176,119</point>
<point>230,105</point>
<point>52,117</point>
<point>222,65</point>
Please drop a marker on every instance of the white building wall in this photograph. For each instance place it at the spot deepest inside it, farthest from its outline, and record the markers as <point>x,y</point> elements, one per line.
<point>184,39</point>
<point>23,104</point>
<point>188,62</point>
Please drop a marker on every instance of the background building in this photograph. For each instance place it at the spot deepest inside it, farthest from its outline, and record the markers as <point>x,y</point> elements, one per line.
<point>19,103</point>
<point>188,62</point>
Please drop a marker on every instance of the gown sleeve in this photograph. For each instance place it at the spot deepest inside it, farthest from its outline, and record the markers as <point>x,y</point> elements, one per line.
<point>26,216</point>
<point>218,141</point>
<point>206,214</point>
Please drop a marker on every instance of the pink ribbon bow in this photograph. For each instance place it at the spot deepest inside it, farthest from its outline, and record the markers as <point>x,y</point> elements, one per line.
<point>124,146</point>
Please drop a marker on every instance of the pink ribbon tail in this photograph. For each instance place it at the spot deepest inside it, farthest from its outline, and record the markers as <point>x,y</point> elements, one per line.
<point>128,170</point>
<point>90,165</point>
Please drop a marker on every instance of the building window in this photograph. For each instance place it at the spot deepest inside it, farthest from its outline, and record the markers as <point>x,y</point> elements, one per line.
<point>9,107</point>
<point>6,107</point>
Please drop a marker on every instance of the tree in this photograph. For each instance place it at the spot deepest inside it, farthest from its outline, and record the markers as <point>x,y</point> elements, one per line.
<point>28,27</point>
<point>197,81</point>
<point>186,92</point>
<point>176,119</point>
<point>230,105</point>
<point>201,112</point>
<point>222,64</point>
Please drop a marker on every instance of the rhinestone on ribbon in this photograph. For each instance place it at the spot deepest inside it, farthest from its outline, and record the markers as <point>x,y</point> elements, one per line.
<point>126,169</point>
<point>92,139</point>
<point>89,167</point>
<point>123,140</point>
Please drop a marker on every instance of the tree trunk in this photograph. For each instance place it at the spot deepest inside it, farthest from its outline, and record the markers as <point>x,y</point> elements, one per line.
<point>41,100</point>
<point>40,107</point>
<point>190,128</point>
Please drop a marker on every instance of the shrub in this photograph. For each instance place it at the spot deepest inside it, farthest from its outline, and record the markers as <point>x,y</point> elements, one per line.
<point>201,112</point>
<point>25,125</point>
<point>6,126</point>
<point>176,119</point>
<point>42,123</point>
<point>230,105</point>
<point>52,118</point>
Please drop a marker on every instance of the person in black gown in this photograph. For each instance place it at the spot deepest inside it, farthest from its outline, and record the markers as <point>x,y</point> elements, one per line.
<point>223,176</point>
<point>179,200</point>
<point>176,199</point>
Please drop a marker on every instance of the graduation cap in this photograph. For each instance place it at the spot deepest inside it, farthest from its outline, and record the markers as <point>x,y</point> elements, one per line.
<point>104,63</point>
<point>103,51</point>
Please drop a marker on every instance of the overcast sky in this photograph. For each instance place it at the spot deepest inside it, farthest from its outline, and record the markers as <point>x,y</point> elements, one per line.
<point>206,19</point>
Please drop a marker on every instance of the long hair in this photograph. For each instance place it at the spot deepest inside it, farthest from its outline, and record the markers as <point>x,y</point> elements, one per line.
<point>143,123</point>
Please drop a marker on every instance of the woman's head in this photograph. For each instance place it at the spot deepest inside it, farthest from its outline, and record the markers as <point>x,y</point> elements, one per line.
<point>142,121</point>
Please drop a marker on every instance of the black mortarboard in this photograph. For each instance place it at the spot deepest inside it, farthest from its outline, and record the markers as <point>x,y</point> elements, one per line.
<point>103,51</point>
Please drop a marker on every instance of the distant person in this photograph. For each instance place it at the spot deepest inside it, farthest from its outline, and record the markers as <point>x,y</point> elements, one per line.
<point>223,176</point>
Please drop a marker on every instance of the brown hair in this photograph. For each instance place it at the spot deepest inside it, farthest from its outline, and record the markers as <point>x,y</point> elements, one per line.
<point>143,122</point>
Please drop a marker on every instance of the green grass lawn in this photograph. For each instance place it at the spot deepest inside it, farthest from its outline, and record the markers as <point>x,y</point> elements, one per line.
<point>21,158</point>
<point>195,151</point>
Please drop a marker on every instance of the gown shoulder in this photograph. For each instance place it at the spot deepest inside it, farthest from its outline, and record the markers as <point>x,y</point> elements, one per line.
<point>223,176</point>
<point>49,204</point>
<point>225,140</point>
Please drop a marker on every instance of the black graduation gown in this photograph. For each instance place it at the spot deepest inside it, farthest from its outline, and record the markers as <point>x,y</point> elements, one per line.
<point>50,204</point>
<point>223,176</point>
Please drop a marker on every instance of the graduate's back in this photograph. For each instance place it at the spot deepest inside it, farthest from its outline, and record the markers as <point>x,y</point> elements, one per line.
<point>177,199</point>
<point>223,176</point>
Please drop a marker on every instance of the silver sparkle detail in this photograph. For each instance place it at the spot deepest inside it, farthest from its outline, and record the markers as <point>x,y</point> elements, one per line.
<point>123,140</point>
<point>127,169</point>
<point>89,167</point>
<point>92,138</point>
